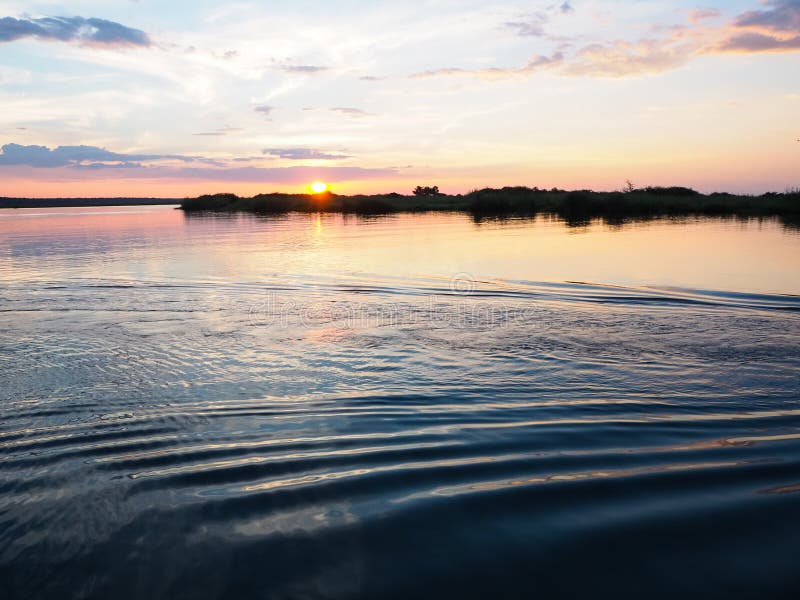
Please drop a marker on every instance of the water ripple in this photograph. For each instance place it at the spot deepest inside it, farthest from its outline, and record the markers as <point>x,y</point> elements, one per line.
<point>300,430</point>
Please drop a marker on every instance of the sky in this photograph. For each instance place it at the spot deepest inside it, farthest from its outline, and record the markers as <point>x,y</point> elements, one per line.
<point>172,99</point>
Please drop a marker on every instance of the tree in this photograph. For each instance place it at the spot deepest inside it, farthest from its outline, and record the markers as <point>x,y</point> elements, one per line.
<point>426,191</point>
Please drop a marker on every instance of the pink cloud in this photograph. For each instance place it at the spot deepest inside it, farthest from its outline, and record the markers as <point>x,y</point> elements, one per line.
<point>775,29</point>
<point>701,14</point>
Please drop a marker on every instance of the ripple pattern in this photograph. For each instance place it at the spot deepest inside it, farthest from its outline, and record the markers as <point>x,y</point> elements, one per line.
<point>347,436</point>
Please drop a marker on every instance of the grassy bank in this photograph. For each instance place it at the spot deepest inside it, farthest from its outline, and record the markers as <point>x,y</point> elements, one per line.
<point>522,201</point>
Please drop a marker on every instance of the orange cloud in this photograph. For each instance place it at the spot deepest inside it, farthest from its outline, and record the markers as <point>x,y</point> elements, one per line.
<point>535,64</point>
<point>773,29</point>
<point>622,59</point>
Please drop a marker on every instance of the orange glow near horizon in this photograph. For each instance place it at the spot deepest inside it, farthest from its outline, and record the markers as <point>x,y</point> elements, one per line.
<point>737,169</point>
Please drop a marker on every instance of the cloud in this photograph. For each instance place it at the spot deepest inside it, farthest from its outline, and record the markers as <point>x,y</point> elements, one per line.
<point>80,162</point>
<point>87,32</point>
<point>531,28</point>
<point>273,175</point>
<point>302,154</point>
<point>534,25</point>
<point>528,28</point>
<point>782,15</point>
<point>293,175</point>
<point>81,156</point>
<point>307,69</point>
<point>758,42</point>
<point>776,29</point>
<point>352,112</point>
<point>701,14</point>
<point>624,59</point>
<point>535,64</point>
<point>219,132</point>
<point>264,109</point>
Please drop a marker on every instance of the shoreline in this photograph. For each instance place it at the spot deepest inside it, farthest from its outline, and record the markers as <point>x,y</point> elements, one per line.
<point>572,206</point>
<point>21,203</point>
<point>577,206</point>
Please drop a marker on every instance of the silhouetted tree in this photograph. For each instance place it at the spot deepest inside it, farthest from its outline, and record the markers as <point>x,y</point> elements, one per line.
<point>426,191</point>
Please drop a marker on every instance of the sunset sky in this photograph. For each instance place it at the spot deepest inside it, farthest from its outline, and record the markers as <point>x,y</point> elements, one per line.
<point>154,98</point>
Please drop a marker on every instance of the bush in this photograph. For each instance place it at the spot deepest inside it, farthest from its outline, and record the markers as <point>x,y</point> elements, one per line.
<point>211,202</point>
<point>676,191</point>
<point>489,203</point>
<point>271,204</point>
<point>617,202</point>
<point>577,202</point>
<point>364,205</point>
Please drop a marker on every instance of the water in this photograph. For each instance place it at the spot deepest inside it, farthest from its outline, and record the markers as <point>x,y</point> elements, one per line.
<point>410,406</point>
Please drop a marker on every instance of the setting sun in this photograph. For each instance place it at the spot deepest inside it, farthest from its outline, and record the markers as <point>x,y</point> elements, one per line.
<point>319,187</point>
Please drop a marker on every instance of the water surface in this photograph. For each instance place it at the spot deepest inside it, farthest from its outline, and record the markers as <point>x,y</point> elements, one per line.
<point>408,406</point>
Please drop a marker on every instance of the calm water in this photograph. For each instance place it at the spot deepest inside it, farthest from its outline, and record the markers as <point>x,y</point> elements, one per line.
<point>412,406</point>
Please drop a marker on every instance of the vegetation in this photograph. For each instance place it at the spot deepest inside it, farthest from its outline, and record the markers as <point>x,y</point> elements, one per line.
<point>426,191</point>
<point>327,202</point>
<point>573,206</point>
<point>56,202</point>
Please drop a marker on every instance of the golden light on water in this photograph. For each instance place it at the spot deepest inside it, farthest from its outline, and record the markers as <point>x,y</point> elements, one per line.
<point>318,187</point>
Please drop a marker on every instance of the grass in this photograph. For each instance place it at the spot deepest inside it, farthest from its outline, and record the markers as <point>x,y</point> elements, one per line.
<point>575,206</point>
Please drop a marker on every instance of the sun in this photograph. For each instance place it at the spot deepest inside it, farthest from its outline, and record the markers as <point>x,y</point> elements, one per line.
<point>318,187</point>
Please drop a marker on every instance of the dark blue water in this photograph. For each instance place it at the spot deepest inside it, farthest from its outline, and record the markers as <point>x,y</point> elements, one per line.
<point>319,408</point>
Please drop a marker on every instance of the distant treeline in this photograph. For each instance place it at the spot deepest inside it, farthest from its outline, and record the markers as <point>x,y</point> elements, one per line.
<point>649,202</point>
<point>56,202</point>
